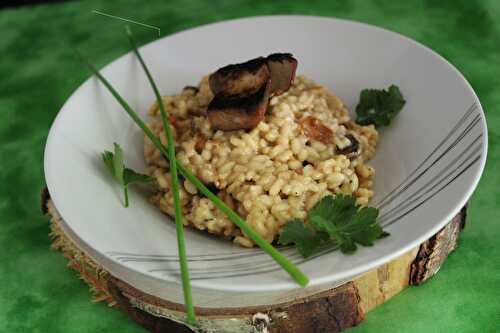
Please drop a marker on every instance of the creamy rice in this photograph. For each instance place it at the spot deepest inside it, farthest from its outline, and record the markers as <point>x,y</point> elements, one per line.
<point>268,175</point>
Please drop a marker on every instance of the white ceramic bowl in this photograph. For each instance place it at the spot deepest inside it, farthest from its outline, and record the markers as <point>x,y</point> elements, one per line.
<point>428,162</point>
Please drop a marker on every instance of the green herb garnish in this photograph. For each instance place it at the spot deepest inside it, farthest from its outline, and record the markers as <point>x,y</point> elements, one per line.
<point>379,107</point>
<point>186,284</point>
<point>124,176</point>
<point>333,221</point>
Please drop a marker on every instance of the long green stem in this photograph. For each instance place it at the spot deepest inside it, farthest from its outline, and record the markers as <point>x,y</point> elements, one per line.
<point>288,266</point>
<point>186,284</point>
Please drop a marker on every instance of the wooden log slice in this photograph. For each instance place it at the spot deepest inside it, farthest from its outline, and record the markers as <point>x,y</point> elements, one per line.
<point>329,311</point>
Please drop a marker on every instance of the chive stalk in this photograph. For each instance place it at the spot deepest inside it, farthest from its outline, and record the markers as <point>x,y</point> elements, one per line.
<point>283,261</point>
<point>186,284</point>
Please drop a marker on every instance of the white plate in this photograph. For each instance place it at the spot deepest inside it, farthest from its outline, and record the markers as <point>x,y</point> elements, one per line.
<point>428,162</point>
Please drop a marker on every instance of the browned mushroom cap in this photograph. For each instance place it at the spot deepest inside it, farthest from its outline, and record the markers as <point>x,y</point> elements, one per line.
<point>245,78</point>
<point>353,150</point>
<point>282,67</point>
<point>228,113</point>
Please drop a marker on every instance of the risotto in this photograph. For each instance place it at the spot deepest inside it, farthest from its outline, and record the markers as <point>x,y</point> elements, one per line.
<point>306,147</point>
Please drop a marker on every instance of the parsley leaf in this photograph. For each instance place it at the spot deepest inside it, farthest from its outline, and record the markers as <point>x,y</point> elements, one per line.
<point>124,176</point>
<point>118,163</point>
<point>130,177</point>
<point>107,157</point>
<point>333,221</point>
<point>306,239</point>
<point>379,107</point>
<point>341,208</point>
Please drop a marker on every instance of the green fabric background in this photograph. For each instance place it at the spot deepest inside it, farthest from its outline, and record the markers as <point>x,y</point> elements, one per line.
<point>37,73</point>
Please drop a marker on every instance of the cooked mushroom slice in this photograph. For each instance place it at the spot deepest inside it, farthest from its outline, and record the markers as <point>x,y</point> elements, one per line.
<point>282,67</point>
<point>240,79</point>
<point>230,113</point>
<point>314,129</point>
<point>353,149</point>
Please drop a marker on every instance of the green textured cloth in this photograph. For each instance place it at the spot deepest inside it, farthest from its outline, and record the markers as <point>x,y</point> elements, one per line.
<point>38,293</point>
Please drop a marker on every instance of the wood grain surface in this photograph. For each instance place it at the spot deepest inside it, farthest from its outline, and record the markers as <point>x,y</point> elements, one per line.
<point>329,311</point>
